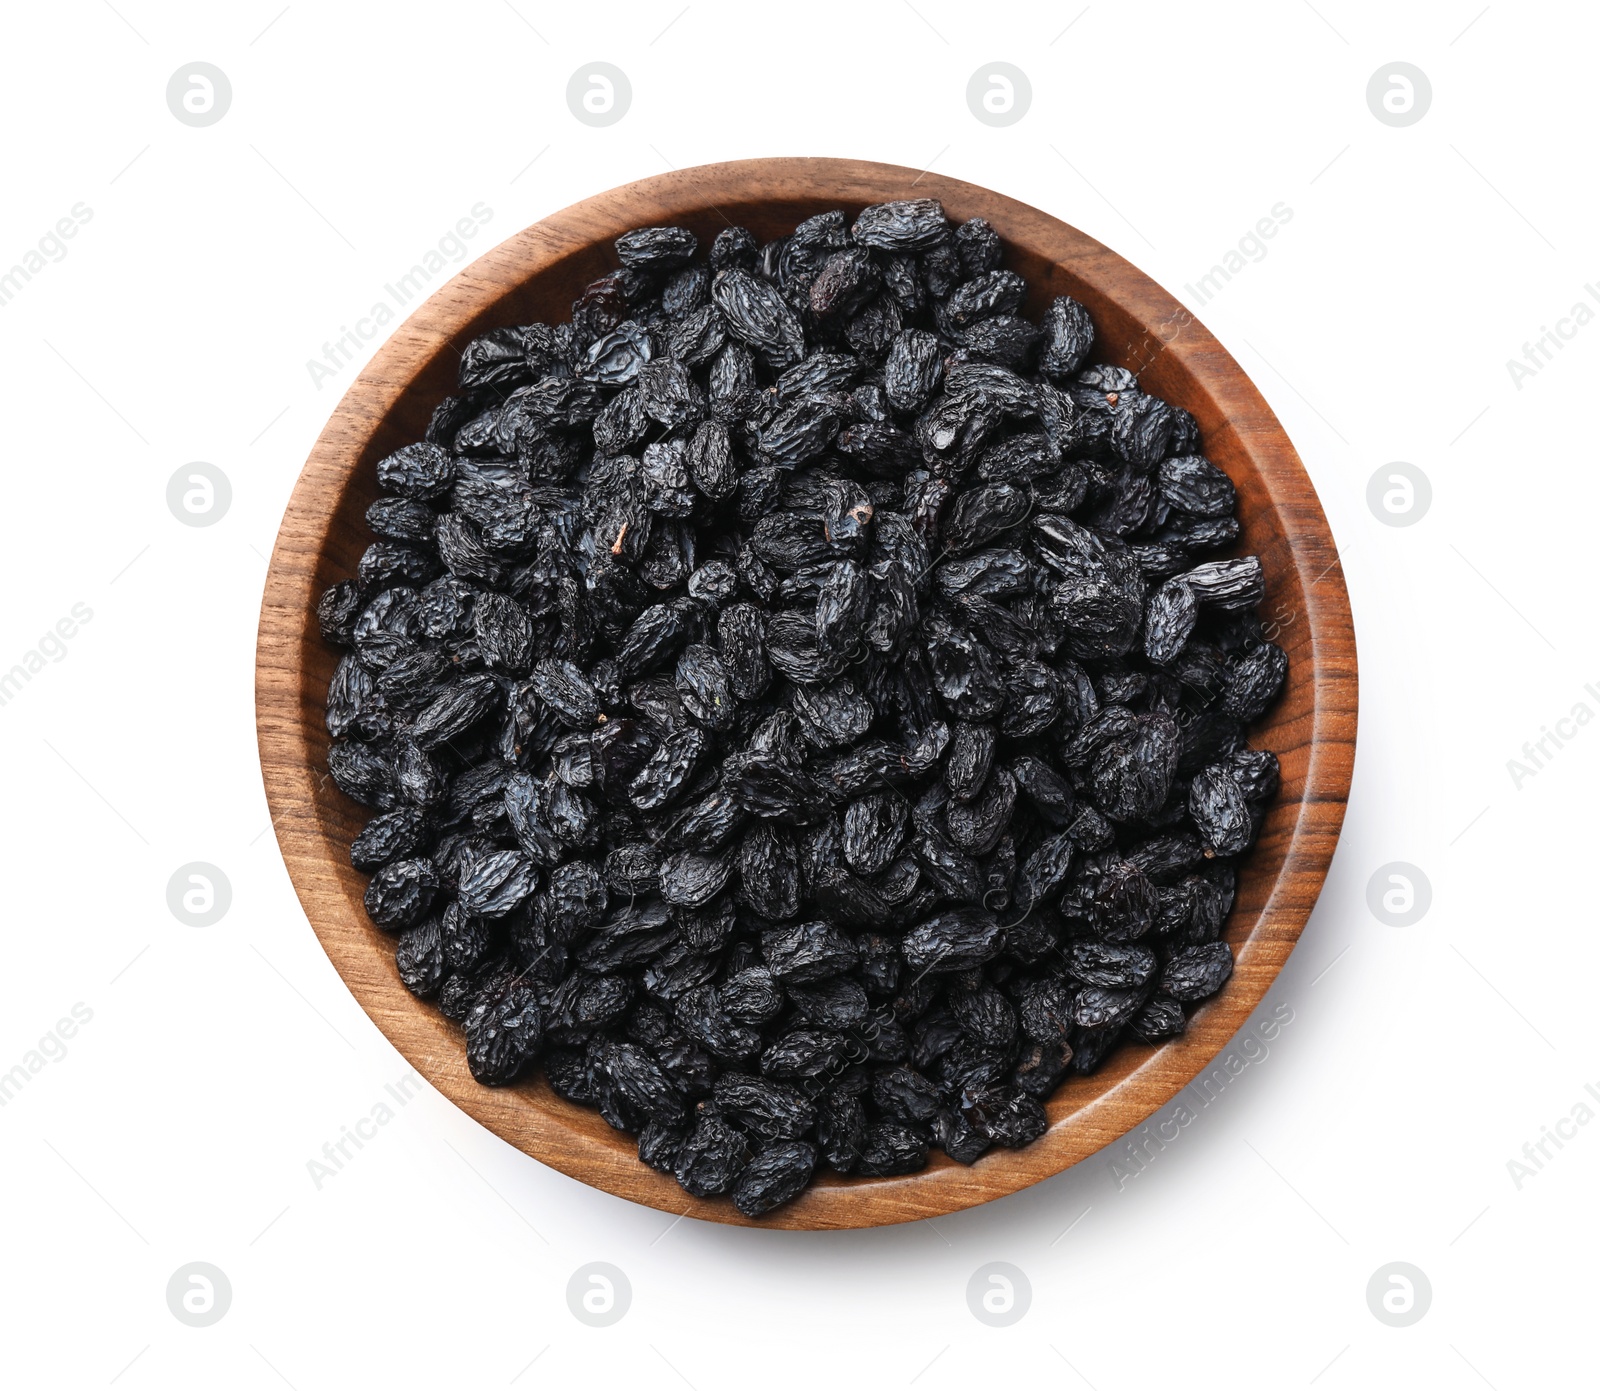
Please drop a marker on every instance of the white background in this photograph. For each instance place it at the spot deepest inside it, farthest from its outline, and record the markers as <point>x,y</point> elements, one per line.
<point>1419,1060</point>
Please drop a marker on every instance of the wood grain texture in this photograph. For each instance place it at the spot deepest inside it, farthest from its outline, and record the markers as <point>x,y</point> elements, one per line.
<point>536,275</point>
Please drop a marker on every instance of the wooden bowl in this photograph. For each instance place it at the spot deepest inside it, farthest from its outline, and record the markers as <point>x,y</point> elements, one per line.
<point>535,276</point>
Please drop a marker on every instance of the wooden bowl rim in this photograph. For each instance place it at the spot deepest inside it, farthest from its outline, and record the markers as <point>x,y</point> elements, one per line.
<point>1136,1081</point>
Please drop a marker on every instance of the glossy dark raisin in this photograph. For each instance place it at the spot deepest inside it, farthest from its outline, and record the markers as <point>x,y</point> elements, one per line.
<point>807,951</point>
<point>774,1176</point>
<point>1069,334</point>
<point>401,892</point>
<point>1197,972</point>
<point>892,1147</point>
<point>494,885</point>
<point>419,958</point>
<point>1254,683</point>
<point>1221,814</point>
<point>956,939</point>
<point>711,1159</point>
<point>841,1129</point>
<point>765,1109</point>
<point>656,248</point>
<point>504,1029</point>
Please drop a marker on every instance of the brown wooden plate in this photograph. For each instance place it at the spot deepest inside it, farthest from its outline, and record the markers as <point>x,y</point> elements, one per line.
<point>535,276</point>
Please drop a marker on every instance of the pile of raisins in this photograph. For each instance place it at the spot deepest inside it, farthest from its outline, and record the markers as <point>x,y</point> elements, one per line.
<point>800,715</point>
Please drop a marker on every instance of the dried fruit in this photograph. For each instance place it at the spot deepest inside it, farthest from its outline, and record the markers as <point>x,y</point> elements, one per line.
<point>802,702</point>
<point>774,1176</point>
